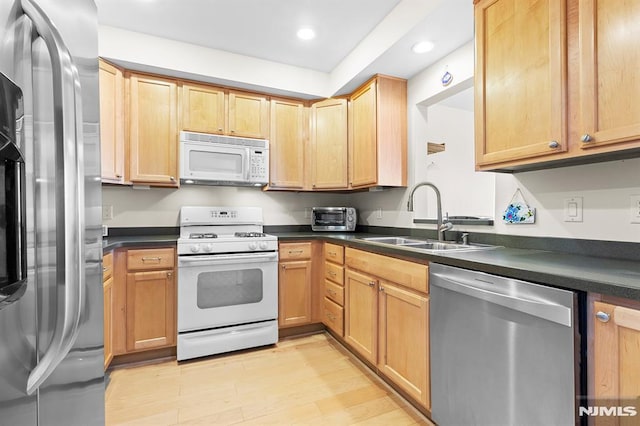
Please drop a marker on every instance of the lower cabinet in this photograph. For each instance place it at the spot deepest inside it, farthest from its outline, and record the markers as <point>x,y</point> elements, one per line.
<point>616,355</point>
<point>387,319</point>
<point>294,293</point>
<point>107,287</point>
<point>144,301</point>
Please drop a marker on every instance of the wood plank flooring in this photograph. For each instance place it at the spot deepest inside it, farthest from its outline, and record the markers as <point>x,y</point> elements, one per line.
<point>310,380</point>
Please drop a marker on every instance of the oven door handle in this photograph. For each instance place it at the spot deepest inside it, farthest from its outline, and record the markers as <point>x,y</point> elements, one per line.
<point>228,258</point>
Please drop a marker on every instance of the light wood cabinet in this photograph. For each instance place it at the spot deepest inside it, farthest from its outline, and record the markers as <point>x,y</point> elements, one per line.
<point>112,123</point>
<point>107,287</point>
<point>248,115</point>
<point>387,318</point>
<point>329,149</point>
<point>403,347</point>
<point>609,50</point>
<point>520,80</point>
<point>552,83</point>
<point>295,284</point>
<point>333,285</point>
<point>616,331</point>
<point>378,133</point>
<point>287,144</point>
<point>361,314</point>
<point>153,134</point>
<point>143,300</point>
<point>203,109</point>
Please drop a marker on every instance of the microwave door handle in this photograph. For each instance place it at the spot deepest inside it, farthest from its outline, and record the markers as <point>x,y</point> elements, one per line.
<point>247,164</point>
<point>70,277</point>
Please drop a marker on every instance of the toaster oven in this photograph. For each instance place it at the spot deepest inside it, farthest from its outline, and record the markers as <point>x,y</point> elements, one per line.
<point>333,219</point>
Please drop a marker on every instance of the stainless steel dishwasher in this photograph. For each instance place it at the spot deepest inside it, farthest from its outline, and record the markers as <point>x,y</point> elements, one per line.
<point>502,350</point>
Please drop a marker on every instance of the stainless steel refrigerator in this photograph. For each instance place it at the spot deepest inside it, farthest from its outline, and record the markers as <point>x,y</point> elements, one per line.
<point>51,304</point>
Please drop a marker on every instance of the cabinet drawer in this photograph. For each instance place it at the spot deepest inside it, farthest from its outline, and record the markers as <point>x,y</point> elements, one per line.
<point>333,316</point>
<point>334,253</point>
<point>292,251</point>
<point>107,266</point>
<point>409,274</point>
<point>147,259</point>
<point>334,273</point>
<point>334,292</point>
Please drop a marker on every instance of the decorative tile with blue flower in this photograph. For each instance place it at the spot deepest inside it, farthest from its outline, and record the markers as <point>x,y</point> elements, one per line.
<point>519,211</point>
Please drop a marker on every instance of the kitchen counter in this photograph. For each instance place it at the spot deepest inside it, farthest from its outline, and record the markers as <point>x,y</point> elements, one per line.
<point>613,277</point>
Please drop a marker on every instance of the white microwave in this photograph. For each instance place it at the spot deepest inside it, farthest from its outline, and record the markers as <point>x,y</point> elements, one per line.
<point>207,159</point>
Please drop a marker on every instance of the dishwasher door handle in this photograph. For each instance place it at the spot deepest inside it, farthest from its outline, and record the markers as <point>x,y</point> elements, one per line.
<point>546,310</point>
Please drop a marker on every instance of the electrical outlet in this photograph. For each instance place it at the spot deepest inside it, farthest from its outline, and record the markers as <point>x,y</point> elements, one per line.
<point>107,212</point>
<point>635,208</point>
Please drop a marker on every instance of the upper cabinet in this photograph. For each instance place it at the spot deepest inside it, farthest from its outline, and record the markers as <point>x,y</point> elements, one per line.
<point>112,127</point>
<point>329,149</point>
<point>287,144</point>
<point>153,130</point>
<point>553,85</point>
<point>378,133</point>
<point>203,109</point>
<point>609,87</point>
<point>520,80</point>
<point>209,109</point>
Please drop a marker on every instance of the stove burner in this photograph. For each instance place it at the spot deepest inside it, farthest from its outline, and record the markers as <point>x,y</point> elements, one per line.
<point>249,234</point>
<point>199,235</point>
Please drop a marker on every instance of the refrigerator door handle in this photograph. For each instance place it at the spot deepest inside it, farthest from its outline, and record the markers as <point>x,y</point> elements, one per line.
<point>70,274</point>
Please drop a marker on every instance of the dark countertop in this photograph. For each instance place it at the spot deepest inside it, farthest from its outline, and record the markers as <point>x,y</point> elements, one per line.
<point>570,271</point>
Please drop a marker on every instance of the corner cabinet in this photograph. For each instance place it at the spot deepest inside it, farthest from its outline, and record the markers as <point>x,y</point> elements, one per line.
<point>112,127</point>
<point>520,80</point>
<point>153,130</point>
<point>329,145</point>
<point>287,144</point>
<point>378,133</point>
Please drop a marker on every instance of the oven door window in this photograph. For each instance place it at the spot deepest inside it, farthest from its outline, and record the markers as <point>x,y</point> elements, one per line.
<point>229,288</point>
<point>330,218</point>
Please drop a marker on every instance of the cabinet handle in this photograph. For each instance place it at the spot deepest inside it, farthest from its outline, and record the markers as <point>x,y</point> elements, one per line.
<point>554,144</point>
<point>331,292</point>
<point>332,273</point>
<point>150,259</point>
<point>219,129</point>
<point>233,131</point>
<point>372,283</point>
<point>104,269</point>
<point>119,176</point>
<point>332,254</point>
<point>172,178</point>
<point>284,267</point>
<point>381,288</point>
<point>586,138</point>
<point>602,316</point>
<point>331,317</point>
<point>169,274</point>
<point>295,252</point>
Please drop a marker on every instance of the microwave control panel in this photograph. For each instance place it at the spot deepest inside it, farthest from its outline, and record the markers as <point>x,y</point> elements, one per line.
<point>259,166</point>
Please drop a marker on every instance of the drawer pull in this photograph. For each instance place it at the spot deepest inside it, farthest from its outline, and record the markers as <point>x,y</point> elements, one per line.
<point>292,252</point>
<point>330,316</point>
<point>151,259</point>
<point>602,316</point>
<point>381,288</point>
<point>332,273</point>
<point>372,283</point>
<point>331,292</point>
<point>332,253</point>
<point>104,269</point>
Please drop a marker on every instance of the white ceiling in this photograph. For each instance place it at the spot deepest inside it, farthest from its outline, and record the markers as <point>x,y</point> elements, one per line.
<point>266,29</point>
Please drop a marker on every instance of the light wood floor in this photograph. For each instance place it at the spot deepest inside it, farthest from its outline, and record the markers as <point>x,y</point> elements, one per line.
<point>310,380</point>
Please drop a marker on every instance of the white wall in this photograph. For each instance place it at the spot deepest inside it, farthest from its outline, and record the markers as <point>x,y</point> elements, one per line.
<point>161,206</point>
<point>605,187</point>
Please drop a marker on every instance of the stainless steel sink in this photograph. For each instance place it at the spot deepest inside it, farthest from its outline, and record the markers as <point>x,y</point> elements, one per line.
<point>425,244</point>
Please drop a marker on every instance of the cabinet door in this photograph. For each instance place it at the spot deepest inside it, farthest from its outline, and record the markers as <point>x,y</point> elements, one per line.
<point>108,321</point>
<point>404,340</point>
<point>361,314</point>
<point>294,286</point>
<point>329,148</point>
<point>610,54</point>
<point>287,144</point>
<point>363,153</point>
<point>151,310</point>
<point>520,81</point>
<point>248,115</point>
<point>112,123</point>
<point>153,131</point>
<point>616,355</point>
<point>203,109</point>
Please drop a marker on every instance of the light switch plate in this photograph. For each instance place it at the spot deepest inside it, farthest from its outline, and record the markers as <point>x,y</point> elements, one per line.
<point>573,209</point>
<point>635,209</point>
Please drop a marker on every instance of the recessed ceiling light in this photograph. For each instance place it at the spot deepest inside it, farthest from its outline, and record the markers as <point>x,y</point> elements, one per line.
<point>306,34</point>
<point>423,46</point>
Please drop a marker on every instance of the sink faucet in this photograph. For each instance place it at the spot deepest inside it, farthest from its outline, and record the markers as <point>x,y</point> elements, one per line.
<point>441,226</point>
